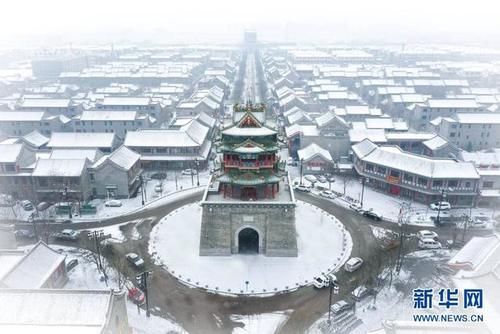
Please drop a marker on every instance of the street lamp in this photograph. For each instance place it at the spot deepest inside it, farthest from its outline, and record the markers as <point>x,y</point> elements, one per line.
<point>443,196</point>
<point>67,202</point>
<point>301,170</point>
<point>197,164</point>
<point>363,179</point>
<point>334,288</point>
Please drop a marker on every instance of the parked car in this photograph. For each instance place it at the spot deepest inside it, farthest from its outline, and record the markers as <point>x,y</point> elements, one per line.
<point>302,188</point>
<point>27,205</point>
<point>189,171</point>
<point>426,234</point>
<point>341,306</point>
<point>323,281</point>
<point>361,292</point>
<point>353,264</point>
<point>390,243</point>
<point>158,188</point>
<point>159,176</point>
<point>372,215</point>
<point>327,194</point>
<point>429,244</point>
<point>311,178</point>
<point>356,207</point>
<point>440,206</point>
<point>321,178</point>
<point>136,296</point>
<point>24,234</point>
<point>113,203</point>
<point>68,235</point>
<point>42,206</point>
<point>479,222</point>
<point>289,161</point>
<point>135,260</point>
<point>71,264</point>
<point>320,282</point>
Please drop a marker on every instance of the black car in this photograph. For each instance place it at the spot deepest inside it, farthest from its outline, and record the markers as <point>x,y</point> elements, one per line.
<point>372,215</point>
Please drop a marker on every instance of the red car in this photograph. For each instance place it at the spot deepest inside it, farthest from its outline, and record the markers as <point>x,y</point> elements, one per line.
<point>136,295</point>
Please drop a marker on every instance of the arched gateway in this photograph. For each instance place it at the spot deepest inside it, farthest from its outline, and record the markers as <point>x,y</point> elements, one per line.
<point>248,241</point>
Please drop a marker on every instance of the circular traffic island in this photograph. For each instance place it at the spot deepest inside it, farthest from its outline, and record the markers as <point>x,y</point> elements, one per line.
<point>323,246</point>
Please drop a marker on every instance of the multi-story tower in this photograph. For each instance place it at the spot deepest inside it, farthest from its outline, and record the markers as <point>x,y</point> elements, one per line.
<point>249,206</point>
<point>250,166</point>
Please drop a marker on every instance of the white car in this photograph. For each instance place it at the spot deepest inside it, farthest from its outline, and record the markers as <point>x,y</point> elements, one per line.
<point>113,203</point>
<point>327,194</point>
<point>356,207</point>
<point>303,189</point>
<point>323,281</point>
<point>429,244</point>
<point>311,178</point>
<point>353,264</point>
<point>189,171</point>
<point>321,178</point>
<point>158,188</point>
<point>320,282</point>
<point>440,206</point>
<point>135,259</point>
<point>426,234</point>
<point>479,222</point>
<point>341,306</point>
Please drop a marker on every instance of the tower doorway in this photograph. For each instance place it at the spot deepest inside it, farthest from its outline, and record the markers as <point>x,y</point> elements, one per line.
<point>248,241</point>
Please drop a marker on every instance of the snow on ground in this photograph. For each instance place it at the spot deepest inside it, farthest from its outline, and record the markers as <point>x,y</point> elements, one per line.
<point>86,276</point>
<point>384,204</point>
<point>323,246</point>
<point>152,198</point>
<point>260,323</point>
<point>394,301</point>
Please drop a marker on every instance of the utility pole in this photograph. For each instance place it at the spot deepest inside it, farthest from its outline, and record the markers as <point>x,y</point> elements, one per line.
<point>192,178</point>
<point>466,221</point>
<point>439,206</point>
<point>67,202</point>
<point>363,179</point>
<point>197,163</point>
<point>96,237</point>
<point>301,170</point>
<point>32,220</point>
<point>176,186</point>
<point>142,282</point>
<point>333,289</point>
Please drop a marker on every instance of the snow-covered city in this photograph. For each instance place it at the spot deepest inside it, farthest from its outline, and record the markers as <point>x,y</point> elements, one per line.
<point>266,168</point>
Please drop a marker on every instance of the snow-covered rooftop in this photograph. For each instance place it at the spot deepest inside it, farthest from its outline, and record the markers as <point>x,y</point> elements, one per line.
<point>34,269</point>
<point>192,134</point>
<point>394,157</point>
<point>59,167</point>
<point>35,139</point>
<point>81,140</point>
<point>312,151</point>
<point>54,311</point>
<point>10,152</point>
<point>108,115</point>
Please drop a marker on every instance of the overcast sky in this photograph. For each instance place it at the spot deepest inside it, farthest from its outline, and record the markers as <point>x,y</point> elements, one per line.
<point>65,21</point>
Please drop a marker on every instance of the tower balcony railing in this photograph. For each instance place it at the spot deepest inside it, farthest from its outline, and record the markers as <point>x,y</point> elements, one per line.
<point>253,164</point>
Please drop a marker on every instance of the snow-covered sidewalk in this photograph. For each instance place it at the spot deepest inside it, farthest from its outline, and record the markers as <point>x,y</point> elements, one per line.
<point>323,246</point>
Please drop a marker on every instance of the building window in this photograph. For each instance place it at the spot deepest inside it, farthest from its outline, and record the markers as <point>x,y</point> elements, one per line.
<point>437,183</point>
<point>452,183</point>
<point>488,184</point>
<point>381,170</point>
<point>422,181</point>
<point>394,173</point>
<point>369,168</point>
<point>452,134</point>
<point>408,178</point>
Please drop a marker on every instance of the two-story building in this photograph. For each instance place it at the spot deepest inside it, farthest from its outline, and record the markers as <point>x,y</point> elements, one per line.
<point>470,131</point>
<point>116,175</point>
<point>114,121</point>
<point>15,175</point>
<point>186,147</point>
<point>420,178</point>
